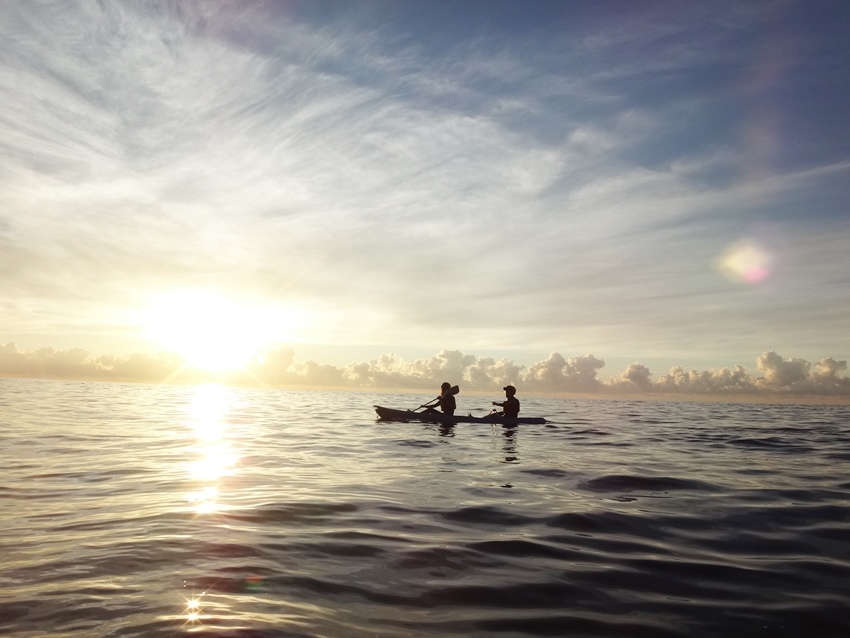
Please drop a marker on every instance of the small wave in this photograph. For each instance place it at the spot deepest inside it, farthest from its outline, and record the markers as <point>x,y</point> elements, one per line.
<point>548,473</point>
<point>518,596</point>
<point>422,444</point>
<point>292,513</point>
<point>590,432</point>
<point>609,522</point>
<point>443,558</point>
<point>522,548</point>
<point>487,516</point>
<point>627,482</point>
<point>585,624</point>
<point>770,443</point>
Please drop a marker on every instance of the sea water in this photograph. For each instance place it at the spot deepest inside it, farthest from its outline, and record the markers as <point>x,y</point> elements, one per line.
<point>144,510</point>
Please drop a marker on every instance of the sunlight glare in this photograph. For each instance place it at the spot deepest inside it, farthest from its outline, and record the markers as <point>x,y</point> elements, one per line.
<point>213,332</point>
<point>205,501</point>
<point>207,411</point>
<point>192,611</point>
<point>215,458</point>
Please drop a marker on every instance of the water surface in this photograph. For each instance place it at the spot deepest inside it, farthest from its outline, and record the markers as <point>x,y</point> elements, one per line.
<point>140,510</point>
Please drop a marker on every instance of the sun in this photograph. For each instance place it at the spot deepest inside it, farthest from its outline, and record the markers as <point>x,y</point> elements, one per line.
<point>213,332</point>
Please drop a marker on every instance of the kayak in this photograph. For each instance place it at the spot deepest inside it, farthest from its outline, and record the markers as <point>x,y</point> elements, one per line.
<point>391,414</point>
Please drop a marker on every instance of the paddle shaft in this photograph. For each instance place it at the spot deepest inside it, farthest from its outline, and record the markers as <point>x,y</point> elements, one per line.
<point>452,390</point>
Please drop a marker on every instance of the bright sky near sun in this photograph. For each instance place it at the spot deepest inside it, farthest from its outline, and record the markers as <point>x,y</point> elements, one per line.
<point>664,182</point>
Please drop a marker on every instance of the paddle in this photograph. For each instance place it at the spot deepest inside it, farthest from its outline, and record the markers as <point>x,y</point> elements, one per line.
<point>452,390</point>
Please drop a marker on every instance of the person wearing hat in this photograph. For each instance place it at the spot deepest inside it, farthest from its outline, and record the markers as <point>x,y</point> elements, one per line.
<point>446,400</point>
<point>510,407</point>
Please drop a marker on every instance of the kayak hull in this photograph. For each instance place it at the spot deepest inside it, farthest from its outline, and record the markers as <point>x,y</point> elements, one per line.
<point>392,414</point>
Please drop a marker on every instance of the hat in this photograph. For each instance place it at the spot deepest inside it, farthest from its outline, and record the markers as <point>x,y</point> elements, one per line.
<point>509,388</point>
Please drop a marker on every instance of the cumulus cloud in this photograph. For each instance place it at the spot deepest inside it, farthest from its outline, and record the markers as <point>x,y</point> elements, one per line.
<point>723,381</point>
<point>559,374</point>
<point>635,377</point>
<point>555,374</point>
<point>782,372</point>
<point>799,376</point>
<point>77,363</point>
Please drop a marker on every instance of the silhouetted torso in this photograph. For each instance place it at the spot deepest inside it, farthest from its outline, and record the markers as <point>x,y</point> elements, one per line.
<point>511,407</point>
<point>447,404</point>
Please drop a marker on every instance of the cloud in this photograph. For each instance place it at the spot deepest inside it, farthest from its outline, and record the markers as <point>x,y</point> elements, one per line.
<point>798,375</point>
<point>48,362</point>
<point>555,374</point>
<point>77,363</point>
<point>724,381</point>
<point>558,374</point>
<point>780,372</point>
<point>636,377</point>
<point>522,180</point>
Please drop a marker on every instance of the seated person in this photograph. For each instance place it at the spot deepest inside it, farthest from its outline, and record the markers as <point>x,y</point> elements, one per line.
<point>510,407</point>
<point>446,400</point>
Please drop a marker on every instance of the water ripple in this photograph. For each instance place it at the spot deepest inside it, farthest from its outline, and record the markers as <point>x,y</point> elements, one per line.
<point>137,511</point>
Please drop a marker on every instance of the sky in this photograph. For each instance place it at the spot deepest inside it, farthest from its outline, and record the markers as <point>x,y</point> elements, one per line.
<point>336,184</point>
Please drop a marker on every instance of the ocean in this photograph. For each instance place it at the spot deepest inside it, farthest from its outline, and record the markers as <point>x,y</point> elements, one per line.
<point>145,510</point>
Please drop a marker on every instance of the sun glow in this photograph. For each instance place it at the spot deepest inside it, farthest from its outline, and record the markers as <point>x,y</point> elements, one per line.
<point>214,333</point>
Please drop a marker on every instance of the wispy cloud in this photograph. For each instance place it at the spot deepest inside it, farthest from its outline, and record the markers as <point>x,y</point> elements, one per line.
<point>573,179</point>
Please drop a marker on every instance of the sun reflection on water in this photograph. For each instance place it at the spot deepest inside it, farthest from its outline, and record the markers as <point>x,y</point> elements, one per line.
<point>193,610</point>
<point>204,501</point>
<point>215,457</point>
<point>207,411</point>
<point>222,601</point>
<point>212,459</point>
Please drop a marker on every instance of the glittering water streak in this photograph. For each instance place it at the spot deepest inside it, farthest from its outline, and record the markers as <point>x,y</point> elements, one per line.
<point>146,510</point>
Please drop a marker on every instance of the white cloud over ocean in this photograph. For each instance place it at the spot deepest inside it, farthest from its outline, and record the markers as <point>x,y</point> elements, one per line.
<point>775,375</point>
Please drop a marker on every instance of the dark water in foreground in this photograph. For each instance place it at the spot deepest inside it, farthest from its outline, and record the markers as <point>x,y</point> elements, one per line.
<point>132,510</point>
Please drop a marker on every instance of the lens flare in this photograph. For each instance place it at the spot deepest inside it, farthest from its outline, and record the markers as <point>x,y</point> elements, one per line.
<point>746,262</point>
<point>254,583</point>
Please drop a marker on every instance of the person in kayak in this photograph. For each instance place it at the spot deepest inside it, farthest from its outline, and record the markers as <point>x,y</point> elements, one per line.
<point>510,406</point>
<point>446,400</point>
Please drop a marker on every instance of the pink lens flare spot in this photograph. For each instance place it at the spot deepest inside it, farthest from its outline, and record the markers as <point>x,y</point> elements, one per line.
<point>747,262</point>
<point>755,274</point>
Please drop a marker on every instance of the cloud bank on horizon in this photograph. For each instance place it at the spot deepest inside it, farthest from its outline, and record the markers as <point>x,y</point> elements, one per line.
<point>555,374</point>
<point>655,180</point>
